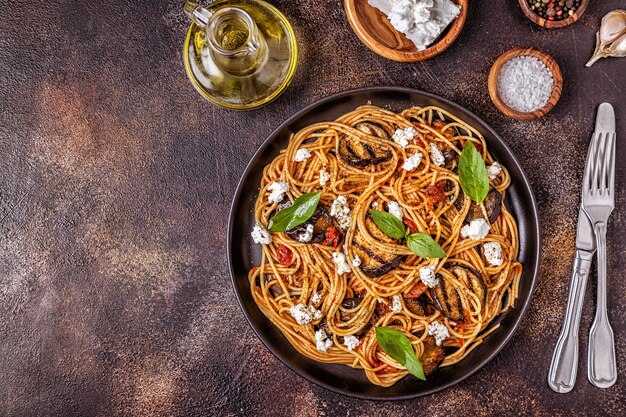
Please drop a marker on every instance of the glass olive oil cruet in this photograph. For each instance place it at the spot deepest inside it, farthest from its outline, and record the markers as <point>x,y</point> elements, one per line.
<point>239,54</point>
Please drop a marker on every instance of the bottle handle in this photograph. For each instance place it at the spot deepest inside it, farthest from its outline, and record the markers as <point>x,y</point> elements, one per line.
<point>198,14</point>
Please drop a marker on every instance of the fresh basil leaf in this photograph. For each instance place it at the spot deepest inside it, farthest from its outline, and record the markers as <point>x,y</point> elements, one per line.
<point>388,223</point>
<point>395,344</point>
<point>300,211</point>
<point>425,246</point>
<point>473,173</point>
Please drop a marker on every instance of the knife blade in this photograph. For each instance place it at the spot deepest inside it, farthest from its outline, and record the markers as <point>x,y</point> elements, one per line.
<point>564,366</point>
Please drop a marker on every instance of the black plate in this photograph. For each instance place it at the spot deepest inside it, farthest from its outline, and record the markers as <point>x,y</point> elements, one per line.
<point>243,253</point>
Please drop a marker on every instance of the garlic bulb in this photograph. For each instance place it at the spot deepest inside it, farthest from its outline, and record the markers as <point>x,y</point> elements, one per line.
<point>611,38</point>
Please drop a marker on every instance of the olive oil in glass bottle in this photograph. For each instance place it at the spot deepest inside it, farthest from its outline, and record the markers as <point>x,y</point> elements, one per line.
<point>239,54</point>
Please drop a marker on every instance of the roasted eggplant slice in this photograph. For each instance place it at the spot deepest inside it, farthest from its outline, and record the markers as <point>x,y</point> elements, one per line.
<point>320,220</point>
<point>359,153</point>
<point>375,261</point>
<point>472,280</point>
<point>447,299</point>
<point>432,356</point>
<point>414,306</point>
<point>275,288</point>
<point>349,304</point>
<point>493,206</point>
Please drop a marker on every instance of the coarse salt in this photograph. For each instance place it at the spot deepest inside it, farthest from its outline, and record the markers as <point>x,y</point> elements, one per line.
<point>525,83</point>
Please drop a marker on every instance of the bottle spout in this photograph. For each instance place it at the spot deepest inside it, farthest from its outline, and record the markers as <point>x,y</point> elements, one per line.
<point>198,14</point>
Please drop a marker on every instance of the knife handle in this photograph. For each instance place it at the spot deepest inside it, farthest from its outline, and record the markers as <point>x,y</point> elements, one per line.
<point>602,368</point>
<point>562,375</point>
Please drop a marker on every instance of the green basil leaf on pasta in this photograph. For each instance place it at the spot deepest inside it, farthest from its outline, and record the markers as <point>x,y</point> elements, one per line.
<point>388,223</point>
<point>395,344</point>
<point>425,246</point>
<point>300,211</point>
<point>473,173</point>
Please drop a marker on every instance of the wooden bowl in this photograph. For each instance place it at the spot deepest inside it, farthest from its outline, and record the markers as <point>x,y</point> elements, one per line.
<point>377,33</point>
<point>557,85</point>
<point>553,24</point>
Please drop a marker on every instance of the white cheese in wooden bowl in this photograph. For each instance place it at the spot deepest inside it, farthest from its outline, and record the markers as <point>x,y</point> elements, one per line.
<point>422,21</point>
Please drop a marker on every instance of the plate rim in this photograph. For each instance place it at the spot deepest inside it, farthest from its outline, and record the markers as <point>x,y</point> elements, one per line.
<point>535,226</point>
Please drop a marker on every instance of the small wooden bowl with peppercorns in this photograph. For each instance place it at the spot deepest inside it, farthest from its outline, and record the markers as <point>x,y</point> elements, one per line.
<point>552,96</point>
<point>553,14</point>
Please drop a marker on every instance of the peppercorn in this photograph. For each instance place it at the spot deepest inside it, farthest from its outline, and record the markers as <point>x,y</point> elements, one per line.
<point>554,9</point>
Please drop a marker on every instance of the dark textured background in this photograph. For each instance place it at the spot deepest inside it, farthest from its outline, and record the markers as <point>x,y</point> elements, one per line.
<point>115,185</point>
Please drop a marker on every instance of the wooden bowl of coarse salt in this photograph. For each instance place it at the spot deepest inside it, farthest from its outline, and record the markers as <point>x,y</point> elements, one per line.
<point>525,83</point>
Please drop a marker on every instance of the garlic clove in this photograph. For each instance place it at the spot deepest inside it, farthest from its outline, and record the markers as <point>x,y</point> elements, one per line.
<point>618,48</point>
<point>612,31</point>
<point>613,25</point>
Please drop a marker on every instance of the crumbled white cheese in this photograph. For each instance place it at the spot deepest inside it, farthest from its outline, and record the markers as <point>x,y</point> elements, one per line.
<point>375,204</point>
<point>422,21</point>
<point>307,235</point>
<point>305,314</point>
<point>341,211</point>
<point>494,170</point>
<point>351,342</point>
<point>324,177</point>
<point>396,305</point>
<point>278,190</point>
<point>356,262</point>
<point>340,262</point>
<point>476,230</point>
<point>394,208</point>
<point>436,156</point>
<point>261,236</point>
<point>302,155</point>
<point>439,331</point>
<point>316,298</point>
<point>412,162</point>
<point>403,136</point>
<point>428,277</point>
<point>322,341</point>
<point>525,83</point>
<point>493,253</point>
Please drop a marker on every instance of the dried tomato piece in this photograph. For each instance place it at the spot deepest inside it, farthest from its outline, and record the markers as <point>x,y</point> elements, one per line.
<point>416,291</point>
<point>410,224</point>
<point>435,193</point>
<point>332,237</point>
<point>285,255</point>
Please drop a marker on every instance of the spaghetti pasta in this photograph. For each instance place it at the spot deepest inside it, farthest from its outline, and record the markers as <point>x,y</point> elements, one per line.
<point>327,283</point>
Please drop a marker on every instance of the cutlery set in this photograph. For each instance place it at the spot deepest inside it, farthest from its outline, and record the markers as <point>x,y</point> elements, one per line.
<point>598,201</point>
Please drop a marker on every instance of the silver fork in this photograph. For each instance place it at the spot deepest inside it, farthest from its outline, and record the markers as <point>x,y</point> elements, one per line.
<point>598,200</point>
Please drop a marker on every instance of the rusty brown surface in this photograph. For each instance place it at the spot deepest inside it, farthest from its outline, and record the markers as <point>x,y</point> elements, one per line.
<point>115,185</point>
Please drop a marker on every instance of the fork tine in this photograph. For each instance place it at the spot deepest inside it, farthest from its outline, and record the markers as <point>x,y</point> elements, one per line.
<point>587,175</point>
<point>603,161</point>
<point>612,166</point>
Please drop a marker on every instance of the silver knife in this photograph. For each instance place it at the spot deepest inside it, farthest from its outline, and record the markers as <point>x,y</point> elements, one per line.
<point>562,374</point>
